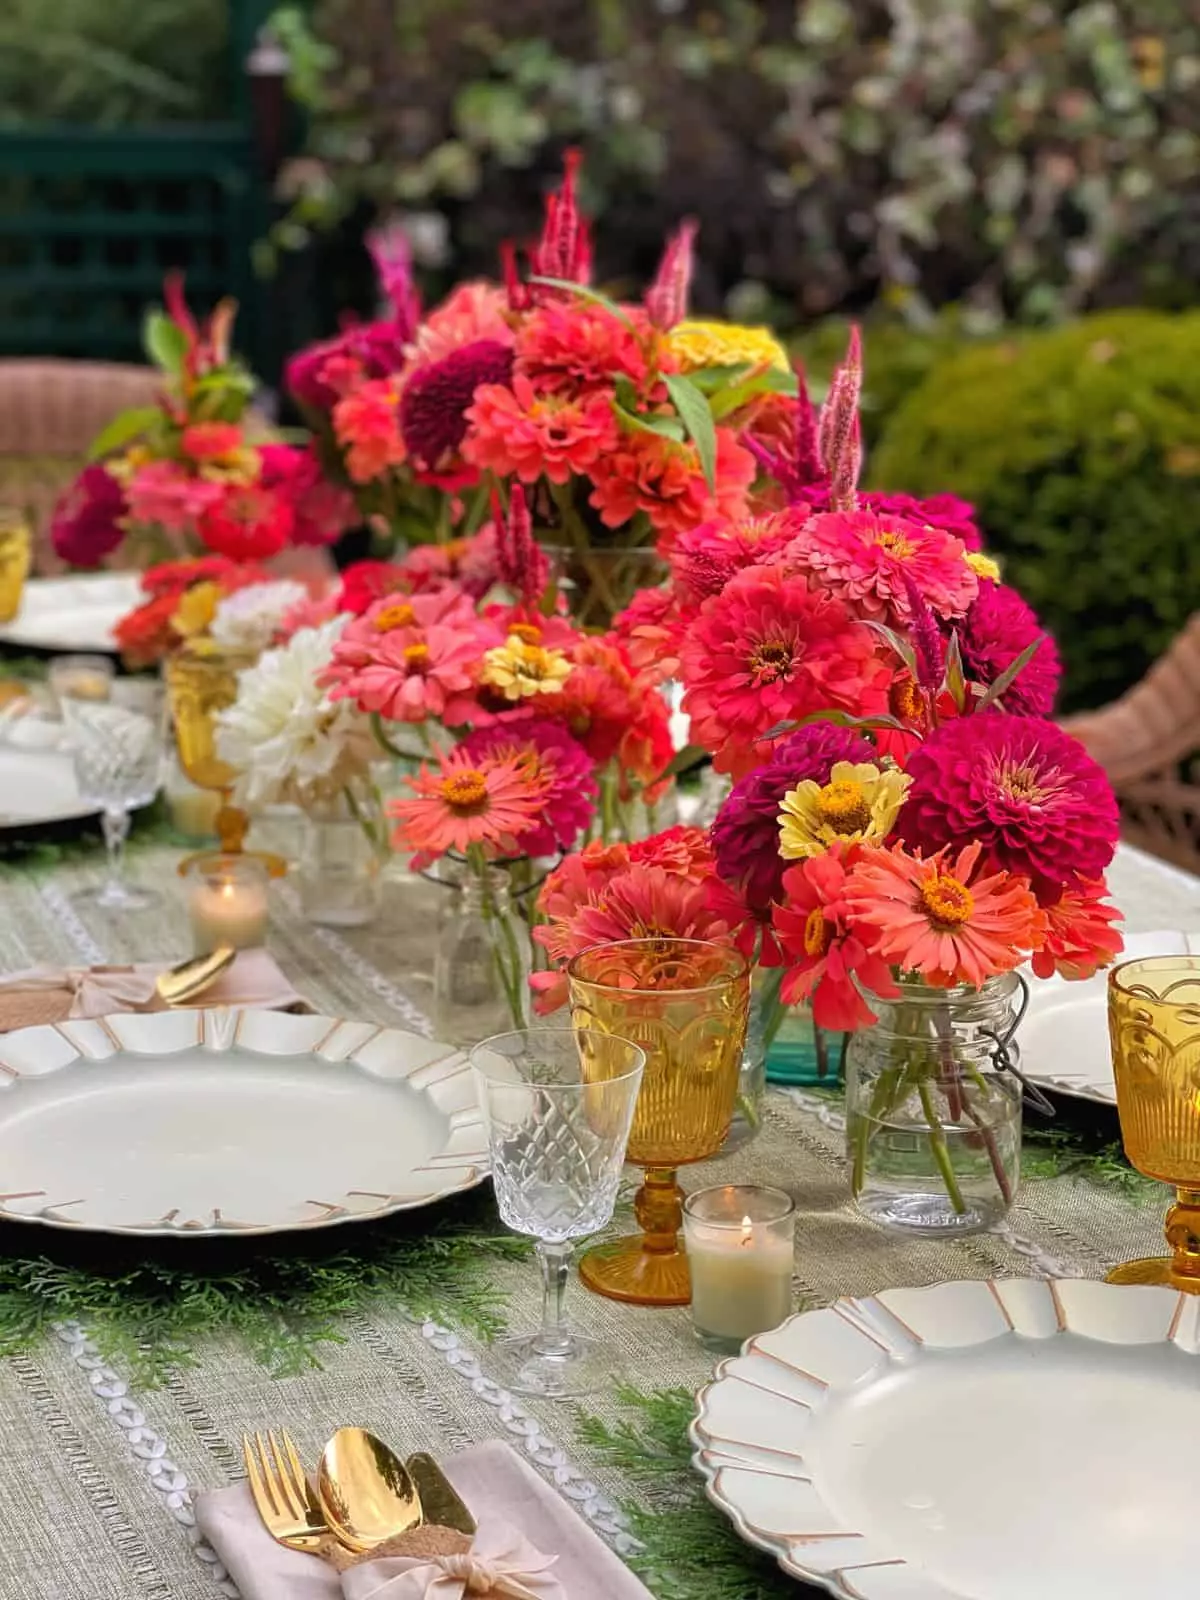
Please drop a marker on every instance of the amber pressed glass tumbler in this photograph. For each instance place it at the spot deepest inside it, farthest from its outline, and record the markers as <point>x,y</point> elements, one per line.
<point>1154,1024</point>
<point>685,1002</point>
<point>16,553</point>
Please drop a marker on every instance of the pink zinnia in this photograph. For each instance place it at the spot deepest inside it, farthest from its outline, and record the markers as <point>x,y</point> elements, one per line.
<point>368,429</point>
<point>474,310</point>
<point>322,511</point>
<point>516,430</point>
<point>462,804</point>
<point>314,375</point>
<point>408,671</point>
<point>1020,786</point>
<point>437,394</point>
<point>163,494</point>
<point>869,560</point>
<point>745,835</point>
<point>88,522</point>
<point>769,650</point>
<point>651,629</point>
<point>705,558</point>
<point>569,799</point>
<point>996,628</point>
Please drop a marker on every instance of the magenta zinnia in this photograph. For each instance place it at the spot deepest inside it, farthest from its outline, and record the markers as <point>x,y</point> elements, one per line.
<point>1029,793</point>
<point>997,627</point>
<point>559,762</point>
<point>745,834</point>
<point>88,522</point>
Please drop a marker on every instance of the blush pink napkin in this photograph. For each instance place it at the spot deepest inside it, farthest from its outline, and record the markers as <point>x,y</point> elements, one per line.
<point>498,1487</point>
<point>51,994</point>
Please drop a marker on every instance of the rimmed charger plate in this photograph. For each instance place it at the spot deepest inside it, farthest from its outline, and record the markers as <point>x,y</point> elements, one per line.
<point>1011,1440</point>
<point>1064,1035</point>
<point>221,1122</point>
<point>73,614</point>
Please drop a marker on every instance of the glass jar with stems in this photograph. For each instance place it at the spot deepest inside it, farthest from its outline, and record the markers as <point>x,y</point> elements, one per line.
<point>341,858</point>
<point>481,959</point>
<point>933,1108</point>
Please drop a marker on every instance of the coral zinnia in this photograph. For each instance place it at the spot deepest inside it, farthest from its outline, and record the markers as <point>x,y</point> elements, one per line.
<point>663,478</point>
<point>578,347</point>
<point>517,430</point>
<point>406,672</point>
<point>769,649</point>
<point>437,395</point>
<point>869,561</point>
<point>367,427</point>
<point>465,802</point>
<point>997,627</point>
<point>858,805</point>
<point>1080,936</point>
<point>705,558</point>
<point>940,918</point>
<point>823,950</point>
<point>1027,791</point>
<point>569,802</point>
<point>87,524</point>
<point>745,834</point>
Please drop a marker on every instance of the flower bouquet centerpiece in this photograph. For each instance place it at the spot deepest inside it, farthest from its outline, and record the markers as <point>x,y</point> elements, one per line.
<point>625,423</point>
<point>906,826</point>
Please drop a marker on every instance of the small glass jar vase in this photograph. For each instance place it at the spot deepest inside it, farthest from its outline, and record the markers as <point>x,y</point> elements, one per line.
<point>481,960</point>
<point>340,877</point>
<point>752,1079</point>
<point>933,1122</point>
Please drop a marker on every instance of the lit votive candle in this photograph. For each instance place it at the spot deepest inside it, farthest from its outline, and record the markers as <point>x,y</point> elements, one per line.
<point>227,902</point>
<point>81,677</point>
<point>739,1240</point>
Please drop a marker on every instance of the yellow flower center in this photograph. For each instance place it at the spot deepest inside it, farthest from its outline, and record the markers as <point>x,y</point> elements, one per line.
<point>416,654</point>
<point>818,933</point>
<point>905,700</point>
<point>948,902</point>
<point>771,659</point>
<point>400,615</point>
<point>527,632</point>
<point>756,528</point>
<point>895,543</point>
<point>1022,783</point>
<point>465,792</point>
<point>844,807</point>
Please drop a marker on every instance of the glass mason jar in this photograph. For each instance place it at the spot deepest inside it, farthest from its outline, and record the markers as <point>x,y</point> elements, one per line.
<point>481,959</point>
<point>933,1126</point>
<point>340,877</point>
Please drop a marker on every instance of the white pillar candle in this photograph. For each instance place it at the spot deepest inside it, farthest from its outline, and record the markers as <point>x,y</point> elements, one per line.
<point>227,903</point>
<point>740,1252</point>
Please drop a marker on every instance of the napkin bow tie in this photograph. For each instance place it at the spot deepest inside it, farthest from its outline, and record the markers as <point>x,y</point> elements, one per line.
<point>95,991</point>
<point>500,1563</point>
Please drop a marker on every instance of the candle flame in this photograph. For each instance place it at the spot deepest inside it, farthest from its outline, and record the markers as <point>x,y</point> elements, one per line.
<point>227,891</point>
<point>747,1230</point>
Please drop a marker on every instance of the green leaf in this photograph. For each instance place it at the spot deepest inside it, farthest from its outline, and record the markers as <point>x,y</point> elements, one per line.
<point>898,643</point>
<point>760,380</point>
<point>164,341</point>
<point>999,685</point>
<point>685,760</point>
<point>592,296</point>
<point>710,379</point>
<point>698,420</point>
<point>122,430</point>
<point>840,719</point>
<point>665,427</point>
<point>956,679</point>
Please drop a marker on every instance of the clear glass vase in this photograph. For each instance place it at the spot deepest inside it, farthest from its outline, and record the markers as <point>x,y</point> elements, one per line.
<point>752,1078</point>
<point>481,960</point>
<point>933,1123</point>
<point>341,869</point>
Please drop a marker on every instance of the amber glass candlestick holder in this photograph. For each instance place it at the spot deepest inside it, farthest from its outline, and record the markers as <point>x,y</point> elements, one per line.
<point>201,681</point>
<point>1154,1024</point>
<point>685,1002</point>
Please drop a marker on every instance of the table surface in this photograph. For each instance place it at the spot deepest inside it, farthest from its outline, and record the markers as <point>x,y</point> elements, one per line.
<point>99,1477</point>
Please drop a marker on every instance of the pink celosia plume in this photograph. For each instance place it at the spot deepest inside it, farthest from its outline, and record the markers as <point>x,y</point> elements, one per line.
<point>666,300</point>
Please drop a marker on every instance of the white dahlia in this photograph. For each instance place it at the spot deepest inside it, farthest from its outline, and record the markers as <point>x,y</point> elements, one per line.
<point>250,618</point>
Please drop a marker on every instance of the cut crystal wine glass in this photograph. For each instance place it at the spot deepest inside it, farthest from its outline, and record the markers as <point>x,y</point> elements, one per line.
<point>558,1104</point>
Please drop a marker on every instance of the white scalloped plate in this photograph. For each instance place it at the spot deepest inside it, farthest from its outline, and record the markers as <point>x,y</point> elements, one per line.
<point>75,613</point>
<point>1015,1440</point>
<point>1064,1036</point>
<point>221,1122</point>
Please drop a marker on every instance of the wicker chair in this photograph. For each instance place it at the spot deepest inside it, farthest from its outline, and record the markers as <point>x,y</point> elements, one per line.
<point>1148,742</point>
<point>50,411</point>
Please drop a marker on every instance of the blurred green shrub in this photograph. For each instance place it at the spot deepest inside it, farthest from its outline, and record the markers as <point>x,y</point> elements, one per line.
<point>1018,158</point>
<point>112,61</point>
<point>1081,449</point>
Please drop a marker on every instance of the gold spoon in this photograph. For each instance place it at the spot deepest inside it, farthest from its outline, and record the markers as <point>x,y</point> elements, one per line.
<point>185,981</point>
<point>365,1490</point>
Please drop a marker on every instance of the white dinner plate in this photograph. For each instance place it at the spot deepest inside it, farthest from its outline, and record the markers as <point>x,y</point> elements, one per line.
<point>1064,1036</point>
<point>38,786</point>
<point>73,614</point>
<point>219,1122</point>
<point>1016,1440</point>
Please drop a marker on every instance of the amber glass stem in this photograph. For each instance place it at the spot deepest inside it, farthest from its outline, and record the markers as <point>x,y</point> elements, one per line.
<point>1183,1233</point>
<point>231,826</point>
<point>659,1210</point>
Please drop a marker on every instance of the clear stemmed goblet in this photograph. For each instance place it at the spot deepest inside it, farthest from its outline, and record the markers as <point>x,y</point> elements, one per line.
<point>558,1104</point>
<point>118,751</point>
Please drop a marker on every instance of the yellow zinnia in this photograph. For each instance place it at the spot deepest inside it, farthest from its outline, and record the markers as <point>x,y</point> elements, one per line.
<point>858,805</point>
<point>196,609</point>
<point>725,344</point>
<point>519,669</point>
<point>983,566</point>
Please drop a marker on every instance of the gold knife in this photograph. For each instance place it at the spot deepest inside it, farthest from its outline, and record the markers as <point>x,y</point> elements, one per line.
<point>441,1503</point>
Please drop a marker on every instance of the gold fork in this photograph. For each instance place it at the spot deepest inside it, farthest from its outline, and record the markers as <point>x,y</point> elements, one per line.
<point>286,1504</point>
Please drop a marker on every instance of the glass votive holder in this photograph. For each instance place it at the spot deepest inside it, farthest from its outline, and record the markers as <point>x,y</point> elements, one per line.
<point>740,1247</point>
<point>81,677</point>
<point>227,902</point>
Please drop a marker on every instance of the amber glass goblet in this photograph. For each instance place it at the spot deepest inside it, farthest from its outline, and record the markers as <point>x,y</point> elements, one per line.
<point>16,552</point>
<point>202,679</point>
<point>1154,1023</point>
<point>684,1001</point>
